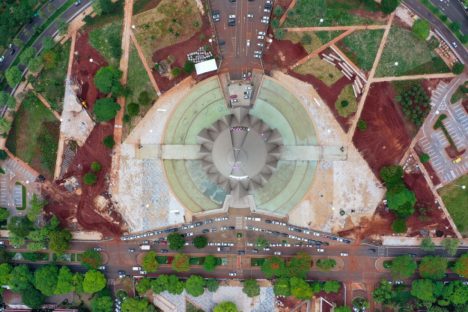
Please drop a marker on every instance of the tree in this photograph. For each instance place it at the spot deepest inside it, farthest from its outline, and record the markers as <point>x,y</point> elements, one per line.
<point>150,264</point>
<point>5,270</point>
<point>4,214</point>
<point>64,281</point>
<point>35,64</point>
<point>17,241</point>
<point>226,306</point>
<point>105,109</point>
<point>7,100</point>
<point>189,67</point>
<point>331,287</point>
<point>391,175</point>
<point>461,266</point>
<point>143,286</point>
<point>5,126</point>
<point>102,304</point>
<point>59,241</point>
<point>299,265</point>
<point>175,286</point>
<point>343,309</point>
<point>26,55</point>
<point>399,225</point>
<point>360,304</point>
<point>458,68</point>
<point>383,293</point>
<point>362,125</point>
<point>251,288</point>
<point>403,267</point>
<point>210,263</point>
<point>89,178</point>
<point>32,298</point>
<point>195,285</point>
<point>200,242</point>
<point>421,29</point>
<point>212,284</point>
<point>423,289</point>
<point>459,295</point>
<point>107,80</point>
<point>133,109</point>
<point>181,263</point>
<point>48,43</point>
<point>401,201</point>
<point>388,6</point>
<point>91,259</point>
<point>273,267</point>
<point>133,305</point>
<point>13,76</point>
<point>96,166</point>
<point>281,287</point>
<point>37,204</point>
<point>108,141</point>
<point>144,98</point>
<point>280,33</point>
<point>300,288</point>
<point>261,242</point>
<point>45,279</point>
<point>19,226</point>
<point>326,264</point>
<point>433,267</point>
<point>94,281</point>
<point>176,72</point>
<point>21,278</point>
<point>424,158</point>
<point>451,245</point>
<point>176,241</point>
<point>78,282</point>
<point>306,39</point>
<point>3,155</point>
<point>160,284</point>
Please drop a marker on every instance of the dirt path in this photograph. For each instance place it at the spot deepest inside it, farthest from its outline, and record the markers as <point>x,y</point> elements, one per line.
<point>436,195</point>
<point>145,64</point>
<point>285,15</point>
<point>46,104</point>
<point>23,164</point>
<point>333,28</point>
<point>323,47</point>
<point>415,77</point>
<point>371,77</point>
<point>128,13</point>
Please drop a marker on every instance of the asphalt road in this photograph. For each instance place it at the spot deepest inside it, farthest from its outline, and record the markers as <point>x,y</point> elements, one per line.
<point>28,30</point>
<point>421,10</point>
<point>454,11</point>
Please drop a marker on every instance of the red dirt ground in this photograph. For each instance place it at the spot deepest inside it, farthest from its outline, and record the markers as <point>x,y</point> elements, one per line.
<point>385,140</point>
<point>180,51</point>
<point>83,70</point>
<point>70,207</point>
<point>281,54</point>
<point>433,175</point>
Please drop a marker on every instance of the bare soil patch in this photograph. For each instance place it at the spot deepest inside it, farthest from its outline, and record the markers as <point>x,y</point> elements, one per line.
<point>281,54</point>
<point>83,70</point>
<point>386,139</point>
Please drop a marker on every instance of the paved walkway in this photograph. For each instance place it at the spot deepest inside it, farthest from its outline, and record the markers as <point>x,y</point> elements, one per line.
<point>285,15</point>
<point>323,47</point>
<point>334,28</point>
<point>414,77</point>
<point>46,104</point>
<point>145,64</point>
<point>371,78</point>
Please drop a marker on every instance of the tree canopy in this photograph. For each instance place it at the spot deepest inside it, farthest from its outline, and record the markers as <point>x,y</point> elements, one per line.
<point>133,305</point>
<point>180,263</point>
<point>65,283</point>
<point>200,242</point>
<point>7,100</point>
<point>433,267</point>
<point>94,281</point>
<point>212,284</point>
<point>45,279</point>
<point>461,265</point>
<point>388,6</point>
<point>226,306</point>
<point>32,298</point>
<point>451,245</point>
<point>383,293</point>
<point>300,288</point>
<point>143,286</point>
<point>21,278</point>
<point>326,264</point>
<point>273,267</point>
<point>421,28</point>
<point>195,285</point>
<point>210,263</point>
<point>427,244</point>
<point>175,286</point>
<point>107,80</point>
<point>19,226</point>
<point>281,287</point>
<point>150,263</point>
<point>423,289</point>
<point>403,267</point>
<point>176,241</point>
<point>102,304</point>
<point>91,258</point>
<point>251,288</point>
<point>59,240</point>
<point>13,76</point>
<point>105,109</point>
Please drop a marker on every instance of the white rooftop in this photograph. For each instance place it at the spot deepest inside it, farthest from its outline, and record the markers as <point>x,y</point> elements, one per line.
<point>206,66</point>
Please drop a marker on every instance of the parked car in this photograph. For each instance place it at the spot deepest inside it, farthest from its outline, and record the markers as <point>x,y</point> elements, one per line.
<point>344,254</point>
<point>216,16</point>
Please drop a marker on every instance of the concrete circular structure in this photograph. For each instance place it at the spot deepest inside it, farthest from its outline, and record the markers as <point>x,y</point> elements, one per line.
<point>240,151</point>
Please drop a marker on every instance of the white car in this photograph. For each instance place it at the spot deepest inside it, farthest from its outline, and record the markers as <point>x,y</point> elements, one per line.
<point>249,15</point>
<point>344,254</point>
<point>262,33</point>
<point>232,274</point>
<point>232,16</point>
<point>260,37</point>
<point>316,234</point>
<point>277,253</point>
<point>320,250</point>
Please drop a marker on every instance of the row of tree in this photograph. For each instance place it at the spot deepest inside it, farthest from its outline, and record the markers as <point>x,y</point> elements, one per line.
<point>35,285</point>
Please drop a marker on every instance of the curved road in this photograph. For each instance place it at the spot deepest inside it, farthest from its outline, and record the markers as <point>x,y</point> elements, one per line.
<point>421,10</point>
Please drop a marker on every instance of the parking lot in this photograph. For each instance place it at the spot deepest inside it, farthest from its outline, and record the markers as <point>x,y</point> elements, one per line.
<point>240,44</point>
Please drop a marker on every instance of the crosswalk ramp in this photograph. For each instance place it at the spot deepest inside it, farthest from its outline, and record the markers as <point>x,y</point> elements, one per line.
<point>239,223</point>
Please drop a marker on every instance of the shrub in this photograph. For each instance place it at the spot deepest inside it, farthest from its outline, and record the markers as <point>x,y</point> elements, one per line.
<point>89,178</point>
<point>424,158</point>
<point>133,109</point>
<point>306,39</point>
<point>458,68</point>
<point>362,125</point>
<point>421,29</point>
<point>189,67</point>
<point>107,80</point>
<point>3,155</point>
<point>144,98</point>
<point>200,242</point>
<point>433,267</point>
<point>278,11</point>
<point>176,72</point>
<point>105,109</point>
<point>95,166</point>
<point>326,264</point>
<point>108,141</point>
<point>399,226</point>
<point>13,76</point>
<point>388,6</point>
<point>280,33</point>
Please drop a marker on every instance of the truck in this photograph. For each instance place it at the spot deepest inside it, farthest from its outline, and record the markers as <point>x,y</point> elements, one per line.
<point>145,247</point>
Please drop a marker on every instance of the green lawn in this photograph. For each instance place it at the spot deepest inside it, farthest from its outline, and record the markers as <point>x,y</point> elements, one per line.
<point>322,70</point>
<point>361,47</point>
<point>346,103</point>
<point>138,80</point>
<point>51,82</point>
<point>333,13</point>
<point>413,55</point>
<point>317,39</point>
<point>460,93</point>
<point>455,199</point>
<point>34,135</point>
<point>107,39</point>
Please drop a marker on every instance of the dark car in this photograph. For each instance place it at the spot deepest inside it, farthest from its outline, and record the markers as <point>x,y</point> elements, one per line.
<point>221,42</point>
<point>216,16</point>
<point>241,252</point>
<point>206,231</point>
<point>164,251</point>
<point>268,221</point>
